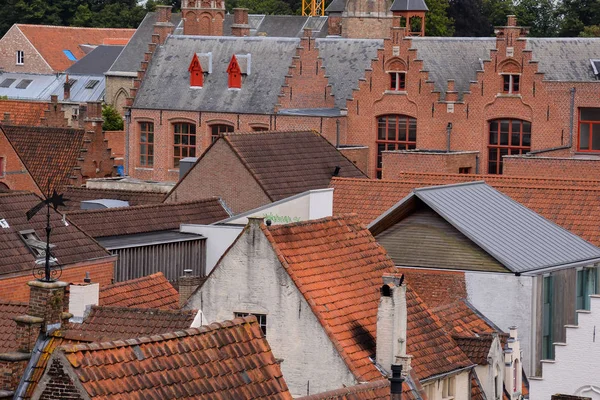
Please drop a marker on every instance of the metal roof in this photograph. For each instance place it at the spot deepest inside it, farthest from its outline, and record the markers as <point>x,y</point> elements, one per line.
<point>96,62</point>
<point>409,5</point>
<point>146,239</point>
<point>85,87</point>
<point>516,236</point>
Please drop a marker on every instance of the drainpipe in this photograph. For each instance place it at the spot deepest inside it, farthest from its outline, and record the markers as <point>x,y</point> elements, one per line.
<point>448,132</point>
<point>337,133</point>
<point>127,124</point>
<point>572,121</point>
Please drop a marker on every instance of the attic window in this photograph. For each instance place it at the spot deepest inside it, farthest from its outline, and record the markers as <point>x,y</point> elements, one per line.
<point>595,67</point>
<point>7,82</point>
<point>235,74</point>
<point>70,55</point>
<point>92,84</point>
<point>23,84</point>
<point>71,82</point>
<point>36,246</point>
<point>196,72</point>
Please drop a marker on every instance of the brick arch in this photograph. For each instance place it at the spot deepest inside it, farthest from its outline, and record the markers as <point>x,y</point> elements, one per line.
<point>395,64</point>
<point>509,66</point>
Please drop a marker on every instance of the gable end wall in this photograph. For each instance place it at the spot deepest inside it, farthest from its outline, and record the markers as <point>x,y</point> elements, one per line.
<point>14,40</point>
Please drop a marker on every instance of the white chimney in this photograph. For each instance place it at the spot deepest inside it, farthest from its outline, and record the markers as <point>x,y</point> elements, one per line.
<point>391,324</point>
<point>81,297</point>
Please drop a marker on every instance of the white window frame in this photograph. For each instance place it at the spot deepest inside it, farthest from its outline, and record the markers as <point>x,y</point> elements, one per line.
<point>511,83</point>
<point>20,57</point>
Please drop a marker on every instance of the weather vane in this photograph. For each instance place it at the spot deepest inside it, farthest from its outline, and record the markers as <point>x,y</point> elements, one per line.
<point>55,200</point>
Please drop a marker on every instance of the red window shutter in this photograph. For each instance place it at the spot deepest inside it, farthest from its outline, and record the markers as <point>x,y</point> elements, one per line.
<point>235,73</point>
<point>196,73</point>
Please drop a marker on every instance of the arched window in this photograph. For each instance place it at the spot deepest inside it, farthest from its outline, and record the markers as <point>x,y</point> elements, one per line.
<point>217,129</point>
<point>507,137</point>
<point>516,371</point>
<point>184,141</point>
<point>395,132</point>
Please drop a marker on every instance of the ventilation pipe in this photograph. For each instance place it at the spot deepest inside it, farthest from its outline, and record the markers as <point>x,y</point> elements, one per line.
<point>448,132</point>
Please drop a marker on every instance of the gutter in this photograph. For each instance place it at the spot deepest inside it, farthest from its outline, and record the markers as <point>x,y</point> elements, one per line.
<point>445,374</point>
<point>562,266</point>
<point>40,345</point>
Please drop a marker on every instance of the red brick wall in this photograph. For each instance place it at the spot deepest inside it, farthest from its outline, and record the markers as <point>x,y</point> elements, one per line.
<point>15,175</point>
<point>58,384</point>
<point>366,27</point>
<point>396,162</point>
<point>11,373</point>
<point>221,173</point>
<point>116,143</point>
<point>16,288</point>
<point>358,155</point>
<point>547,167</point>
<point>33,62</point>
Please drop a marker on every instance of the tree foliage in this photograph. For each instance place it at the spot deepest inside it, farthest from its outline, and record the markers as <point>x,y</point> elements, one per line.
<point>112,119</point>
<point>437,21</point>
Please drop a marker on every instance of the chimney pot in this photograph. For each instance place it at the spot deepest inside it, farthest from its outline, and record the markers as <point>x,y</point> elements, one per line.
<point>87,278</point>
<point>512,20</point>
<point>396,381</point>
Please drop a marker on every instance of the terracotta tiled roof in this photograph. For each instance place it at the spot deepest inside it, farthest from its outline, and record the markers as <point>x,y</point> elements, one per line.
<point>288,163</point>
<point>152,291</point>
<point>30,382</point>
<point>436,287</point>
<point>476,348</point>
<point>48,153</point>
<point>112,323</point>
<point>338,267</point>
<point>147,218</point>
<point>571,203</point>
<point>477,392</point>
<point>376,390</point>
<point>8,311</point>
<point>72,245</point>
<point>76,195</point>
<point>231,359</point>
<point>50,41</point>
<point>23,112</point>
<point>461,319</point>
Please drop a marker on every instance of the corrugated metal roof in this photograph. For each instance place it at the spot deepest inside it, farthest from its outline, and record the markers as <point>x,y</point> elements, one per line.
<point>516,236</point>
<point>43,86</point>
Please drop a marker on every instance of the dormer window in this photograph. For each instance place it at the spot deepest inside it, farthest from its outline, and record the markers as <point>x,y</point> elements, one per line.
<point>235,74</point>
<point>510,83</point>
<point>33,242</point>
<point>397,80</point>
<point>196,72</point>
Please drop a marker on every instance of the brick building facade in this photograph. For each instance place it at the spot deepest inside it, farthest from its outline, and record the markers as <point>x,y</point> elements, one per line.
<point>502,96</point>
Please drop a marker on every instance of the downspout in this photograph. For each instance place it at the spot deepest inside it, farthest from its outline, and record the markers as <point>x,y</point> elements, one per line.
<point>448,132</point>
<point>127,125</point>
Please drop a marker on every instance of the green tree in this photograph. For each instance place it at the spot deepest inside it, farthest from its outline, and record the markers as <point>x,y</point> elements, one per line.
<point>112,118</point>
<point>575,15</point>
<point>469,18</point>
<point>83,16</point>
<point>437,22</point>
<point>590,31</point>
<point>539,16</point>
<point>496,12</point>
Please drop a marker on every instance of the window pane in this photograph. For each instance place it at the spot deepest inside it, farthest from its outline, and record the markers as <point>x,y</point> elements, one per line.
<point>493,154</point>
<point>515,86</point>
<point>176,151</point>
<point>192,152</point>
<point>143,149</point>
<point>391,146</point>
<point>526,127</point>
<point>185,139</point>
<point>392,128</point>
<point>150,149</point>
<point>590,114</point>
<point>177,139</point>
<point>393,80</point>
<point>584,137</point>
<point>150,161</point>
<point>142,159</point>
<point>492,167</point>
<point>412,130</point>
<point>527,139</point>
<point>151,138</point>
<point>381,129</point>
<point>515,139</point>
<point>143,138</point>
<point>402,77</point>
<point>506,85</point>
<point>503,138</point>
<point>596,137</point>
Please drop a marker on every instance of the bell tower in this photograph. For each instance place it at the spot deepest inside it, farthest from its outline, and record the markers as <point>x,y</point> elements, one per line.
<point>412,14</point>
<point>203,17</point>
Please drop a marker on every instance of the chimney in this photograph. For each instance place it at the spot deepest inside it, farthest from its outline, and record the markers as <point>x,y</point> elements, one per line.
<point>66,89</point>
<point>240,25</point>
<point>334,24</point>
<point>163,26</point>
<point>512,20</point>
<point>203,18</point>
<point>396,381</point>
<point>391,323</point>
<point>188,284</point>
<point>82,297</point>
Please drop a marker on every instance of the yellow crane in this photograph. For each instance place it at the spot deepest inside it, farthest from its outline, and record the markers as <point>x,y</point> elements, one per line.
<point>313,8</point>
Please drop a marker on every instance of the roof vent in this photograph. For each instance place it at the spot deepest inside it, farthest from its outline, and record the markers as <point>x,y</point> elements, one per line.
<point>336,171</point>
<point>244,61</point>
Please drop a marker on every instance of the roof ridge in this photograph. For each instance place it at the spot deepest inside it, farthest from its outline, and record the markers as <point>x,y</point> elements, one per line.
<point>128,282</point>
<point>215,326</point>
<point>141,207</point>
<point>146,310</point>
<point>75,27</point>
<point>351,216</point>
<point>358,388</point>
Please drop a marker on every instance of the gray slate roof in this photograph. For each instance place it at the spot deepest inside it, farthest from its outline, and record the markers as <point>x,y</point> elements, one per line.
<point>409,5</point>
<point>345,61</point>
<point>96,62</point>
<point>516,236</point>
<point>131,56</point>
<point>565,59</point>
<point>452,58</point>
<point>336,6</point>
<point>270,60</point>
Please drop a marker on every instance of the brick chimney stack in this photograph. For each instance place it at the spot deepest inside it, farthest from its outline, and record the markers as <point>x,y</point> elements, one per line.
<point>66,89</point>
<point>240,25</point>
<point>188,284</point>
<point>203,17</point>
<point>163,26</point>
<point>392,323</point>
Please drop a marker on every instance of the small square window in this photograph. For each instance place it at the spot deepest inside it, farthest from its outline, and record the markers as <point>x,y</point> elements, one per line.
<point>261,318</point>
<point>24,84</point>
<point>7,82</point>
<point>397,81</point>
<point>464,170</point>
<point>20,57</point>
<point>510,83</point>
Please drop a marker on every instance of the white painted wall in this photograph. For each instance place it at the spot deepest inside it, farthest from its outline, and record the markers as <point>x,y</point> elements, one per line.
<point>250,278</point>
<point>506,300</point>
<point>218,240</point>
<point>486,373</point>
<point>576,366</point>
<point>434,389</point>
<point>312,204</point>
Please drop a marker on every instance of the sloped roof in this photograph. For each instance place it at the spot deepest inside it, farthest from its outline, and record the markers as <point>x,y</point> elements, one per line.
<point>133,53</point>
<point>477,348</point>
<point>565,59</point>
<point>23,112</point>
<point>113,323</point>
<point>76,195</point>
<point>72,244</point>
<point>50,41</point>
<point>477,392</point>
<point>516,236</point>
<point>573,204</point>
<point>270,57</point>
<point>345,62</point>
<point>452,58</point>
<point>152,291</point>
<point>147,218</point>
<point>96,62</point>
<point>288,163</point>
<point>376,390</point>
<point>409,5</point>
<point>436,287</point>
<point>8,311</point>
<point>337,265</point>
<point>462,319</point>
<point>42,86</point>
<point>49,154</point>
<point>231,359</point>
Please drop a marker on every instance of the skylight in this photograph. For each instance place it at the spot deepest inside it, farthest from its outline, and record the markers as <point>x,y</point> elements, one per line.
<point>7,82</point>
<point>70,55</point>
<point>24,84</point>
<point>91,84</point>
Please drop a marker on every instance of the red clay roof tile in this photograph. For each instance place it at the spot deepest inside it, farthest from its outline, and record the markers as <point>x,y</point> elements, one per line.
<point>462,320</point>
<point>476,348</point>
<point>376,390</point>
<point>147,218</point>
<point>50,41</point>
<point>76,195</point>
<point>436,287</point>
<point>8,311</point>
<point>338,267</point>
<point>152,291</point>
<point>23,112</point>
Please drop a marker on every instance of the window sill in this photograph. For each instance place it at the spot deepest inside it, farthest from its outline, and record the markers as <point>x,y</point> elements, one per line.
<point>588,153</point>
<point>510,95</point>
<point>396,92</point>
<point>144,169</point>
<point>173,170</point>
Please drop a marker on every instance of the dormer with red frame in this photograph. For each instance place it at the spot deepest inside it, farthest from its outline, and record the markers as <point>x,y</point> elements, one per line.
<point>235,74</point>
<point>196,72</point>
